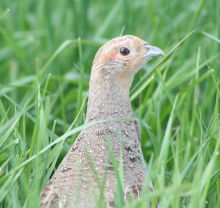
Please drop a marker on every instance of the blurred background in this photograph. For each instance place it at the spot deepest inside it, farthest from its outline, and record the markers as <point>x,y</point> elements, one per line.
<point>46,52</point>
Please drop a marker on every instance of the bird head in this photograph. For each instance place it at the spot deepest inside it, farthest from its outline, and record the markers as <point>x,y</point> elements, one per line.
<point>122,57</point>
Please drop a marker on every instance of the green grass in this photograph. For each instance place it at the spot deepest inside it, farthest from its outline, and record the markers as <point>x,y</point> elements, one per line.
<point>46,52</point>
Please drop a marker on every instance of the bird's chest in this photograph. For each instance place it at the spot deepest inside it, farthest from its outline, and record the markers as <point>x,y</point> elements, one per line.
<point>114,141</point>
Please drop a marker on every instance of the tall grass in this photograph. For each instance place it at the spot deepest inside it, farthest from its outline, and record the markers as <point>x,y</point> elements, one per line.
<point>46,51</point>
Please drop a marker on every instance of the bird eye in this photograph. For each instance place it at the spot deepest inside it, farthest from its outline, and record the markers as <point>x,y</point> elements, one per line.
<point>124,51</point>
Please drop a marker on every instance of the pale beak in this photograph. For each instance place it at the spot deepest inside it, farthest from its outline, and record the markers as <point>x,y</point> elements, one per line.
<point>153,51</point>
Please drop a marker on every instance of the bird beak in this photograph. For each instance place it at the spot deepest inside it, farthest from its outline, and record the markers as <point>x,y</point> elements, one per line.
<point>153,51</point>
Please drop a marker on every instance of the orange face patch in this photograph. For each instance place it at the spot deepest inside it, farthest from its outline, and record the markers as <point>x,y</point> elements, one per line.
<point>113,55</point>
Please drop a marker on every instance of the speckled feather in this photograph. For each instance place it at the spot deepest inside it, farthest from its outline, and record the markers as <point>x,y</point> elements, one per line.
<point>76,181</point>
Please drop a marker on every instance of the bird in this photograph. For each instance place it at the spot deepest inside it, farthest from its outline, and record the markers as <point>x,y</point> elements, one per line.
<point>89,168</point>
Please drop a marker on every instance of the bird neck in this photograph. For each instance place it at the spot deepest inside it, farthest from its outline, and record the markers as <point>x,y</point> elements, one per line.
<point>107,99</point>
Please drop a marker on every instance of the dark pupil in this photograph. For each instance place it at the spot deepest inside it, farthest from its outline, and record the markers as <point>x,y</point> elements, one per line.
<point>124,51</point>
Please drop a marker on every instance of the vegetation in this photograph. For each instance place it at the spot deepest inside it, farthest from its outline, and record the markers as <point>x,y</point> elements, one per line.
<point>46,52</point>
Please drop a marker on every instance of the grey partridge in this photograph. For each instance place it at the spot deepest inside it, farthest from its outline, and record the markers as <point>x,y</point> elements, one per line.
<point>88,169</point>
